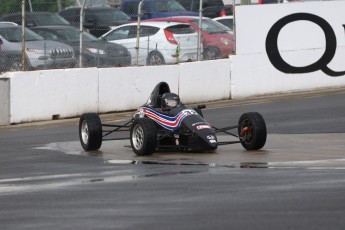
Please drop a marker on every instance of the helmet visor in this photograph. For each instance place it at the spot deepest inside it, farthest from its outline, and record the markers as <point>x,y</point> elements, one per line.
<point>171,102</point>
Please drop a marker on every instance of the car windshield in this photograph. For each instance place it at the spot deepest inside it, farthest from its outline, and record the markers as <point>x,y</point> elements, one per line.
<point>165,6</point>
<point>210,26</point>
<point>49,19</point>
<point>14,34</point>
<point>74,35</point>
<point>110,15</point>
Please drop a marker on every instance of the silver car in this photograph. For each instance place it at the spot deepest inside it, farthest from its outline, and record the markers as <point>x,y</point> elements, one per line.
<point>40,53</point>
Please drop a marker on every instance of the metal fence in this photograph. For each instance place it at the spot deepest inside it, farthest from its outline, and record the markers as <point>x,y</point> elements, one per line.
<point>74,33</point>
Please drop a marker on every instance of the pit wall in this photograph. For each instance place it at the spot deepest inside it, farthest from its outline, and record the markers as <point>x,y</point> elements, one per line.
<point>312,59</point>
<point>52,94</point>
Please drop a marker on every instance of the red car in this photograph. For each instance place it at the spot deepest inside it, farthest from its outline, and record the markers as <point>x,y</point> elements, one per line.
<point>217,39</point>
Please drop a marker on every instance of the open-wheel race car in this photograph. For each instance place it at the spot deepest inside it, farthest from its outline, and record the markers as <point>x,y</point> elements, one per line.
<point>163,123</point>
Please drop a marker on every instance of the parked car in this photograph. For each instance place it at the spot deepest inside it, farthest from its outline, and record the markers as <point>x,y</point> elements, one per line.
<point>10,60</point>
<point>160,42</point>
<point>97,19</point>
<point>36,19</point>
<point>40,53</point>
<point>95,52</point>
<point>227,21</point>
<point>217,39</point>
<point>154,9</point>
<point>210,8</point>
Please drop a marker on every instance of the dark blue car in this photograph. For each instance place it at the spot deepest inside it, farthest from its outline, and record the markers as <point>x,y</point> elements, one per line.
<point>155,9</point>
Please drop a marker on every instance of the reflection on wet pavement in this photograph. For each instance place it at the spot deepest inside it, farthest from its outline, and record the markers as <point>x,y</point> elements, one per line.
<point>284,151</point>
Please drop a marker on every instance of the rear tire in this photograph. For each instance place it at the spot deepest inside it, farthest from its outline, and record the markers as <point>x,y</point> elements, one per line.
<point>155,58</point>
<point>211,53</point>
<point>143,136</point>
<point>90,131</point>
<point>252,131</point>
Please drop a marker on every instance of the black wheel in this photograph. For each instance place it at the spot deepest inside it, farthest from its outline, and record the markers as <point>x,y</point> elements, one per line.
<point>90,131</point>
<point>155,58</point>
<point>143,136</point>
<point>211,53</point>
<point>252,131</point>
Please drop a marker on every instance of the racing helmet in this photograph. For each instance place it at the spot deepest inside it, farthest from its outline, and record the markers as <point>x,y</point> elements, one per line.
<point>170,100</point>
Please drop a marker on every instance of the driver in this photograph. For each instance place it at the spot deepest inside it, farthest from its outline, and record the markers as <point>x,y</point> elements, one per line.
<point>170,100</point>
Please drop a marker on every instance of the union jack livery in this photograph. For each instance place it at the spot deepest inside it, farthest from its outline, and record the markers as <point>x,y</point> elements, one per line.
<point>169,123</point>
<point>163,123</point>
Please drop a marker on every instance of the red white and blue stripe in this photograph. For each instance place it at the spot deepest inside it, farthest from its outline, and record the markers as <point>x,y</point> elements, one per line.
<point>170,123</point>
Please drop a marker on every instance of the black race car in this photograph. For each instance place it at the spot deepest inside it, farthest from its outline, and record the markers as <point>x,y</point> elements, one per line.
<point>164,123</point>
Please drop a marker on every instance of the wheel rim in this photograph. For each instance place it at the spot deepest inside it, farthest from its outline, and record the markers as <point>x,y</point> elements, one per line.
<point>85,132</point>
<point>211,54</point>
<point>138,137</point>
<point>246,133</point>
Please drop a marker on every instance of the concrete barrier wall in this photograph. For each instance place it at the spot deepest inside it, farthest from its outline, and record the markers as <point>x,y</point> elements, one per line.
<point>128,88</point>
<point>201,82</point>
<point>49,94</point>
<point>288,47</point>
<point>4,101</point>
<point>39,95</point>
<point>261,79</point>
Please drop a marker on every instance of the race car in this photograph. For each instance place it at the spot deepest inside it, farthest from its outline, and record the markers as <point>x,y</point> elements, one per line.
<point>164,123</point>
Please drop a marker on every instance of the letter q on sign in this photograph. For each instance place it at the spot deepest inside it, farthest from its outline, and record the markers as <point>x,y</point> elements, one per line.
<point>321,64</point>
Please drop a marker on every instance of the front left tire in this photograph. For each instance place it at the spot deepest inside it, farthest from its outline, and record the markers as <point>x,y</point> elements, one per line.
<point>252,131</point>
<point>143,136</point>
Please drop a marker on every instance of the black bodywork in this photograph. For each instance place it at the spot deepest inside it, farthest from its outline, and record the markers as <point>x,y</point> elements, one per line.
<point>155,128</point>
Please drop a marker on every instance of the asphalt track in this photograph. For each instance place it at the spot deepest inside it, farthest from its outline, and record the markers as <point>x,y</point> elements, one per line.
<point>295,182</point>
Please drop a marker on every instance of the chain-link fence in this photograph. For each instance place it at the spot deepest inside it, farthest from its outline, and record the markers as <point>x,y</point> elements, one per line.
<point>108,33</point>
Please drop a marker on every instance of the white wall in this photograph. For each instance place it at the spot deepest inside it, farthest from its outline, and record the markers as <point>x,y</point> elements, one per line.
<point>300,43</point>
<point>39,95</point>
<point>127,88</point>
<point>254,21</point>
<point>4,101</point>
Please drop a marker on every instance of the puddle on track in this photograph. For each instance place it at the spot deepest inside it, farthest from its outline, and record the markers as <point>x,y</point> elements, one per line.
<point>230,156</point>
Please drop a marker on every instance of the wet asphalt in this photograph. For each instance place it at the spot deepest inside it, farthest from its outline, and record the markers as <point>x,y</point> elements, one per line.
<point>295,182</point>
